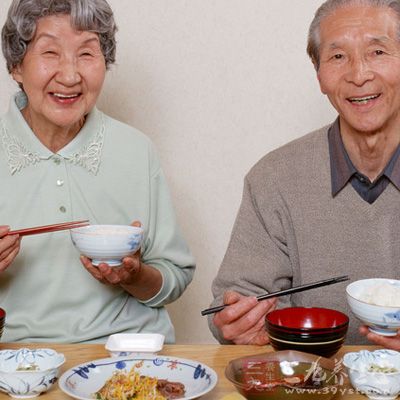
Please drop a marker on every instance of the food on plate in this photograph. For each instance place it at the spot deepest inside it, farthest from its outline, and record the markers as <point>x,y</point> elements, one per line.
<point>28,367</point>
<point>385,369</point>
<point>133,386</point>
<point>382,294</point>
<point>274,373</point>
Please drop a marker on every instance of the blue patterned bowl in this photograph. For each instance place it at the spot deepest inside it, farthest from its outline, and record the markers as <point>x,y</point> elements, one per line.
<point>26,373</point>
<point>107,243</point>
<point>380,319</point>
<point>374,373</point>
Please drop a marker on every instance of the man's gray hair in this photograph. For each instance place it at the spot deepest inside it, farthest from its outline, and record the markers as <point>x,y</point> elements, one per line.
<point>86,15</point>
<point>328,8</point>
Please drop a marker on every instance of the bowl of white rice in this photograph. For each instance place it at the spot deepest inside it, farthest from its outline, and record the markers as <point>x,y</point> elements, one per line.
<point>376,303</point>
<point>107,243</point>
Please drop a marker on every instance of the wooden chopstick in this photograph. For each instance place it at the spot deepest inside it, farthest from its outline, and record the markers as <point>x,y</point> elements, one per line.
<point>49,228</point>
<point>284,292</point>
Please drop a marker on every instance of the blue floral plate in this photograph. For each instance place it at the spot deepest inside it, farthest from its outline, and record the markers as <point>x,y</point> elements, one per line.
<point>82,381</point>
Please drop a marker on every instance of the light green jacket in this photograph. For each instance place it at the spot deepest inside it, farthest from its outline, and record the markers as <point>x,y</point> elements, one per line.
<point>109,174</point>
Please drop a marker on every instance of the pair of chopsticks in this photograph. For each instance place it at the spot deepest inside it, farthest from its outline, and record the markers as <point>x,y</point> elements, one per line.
<point>49,228</point>
<point>284,292</point>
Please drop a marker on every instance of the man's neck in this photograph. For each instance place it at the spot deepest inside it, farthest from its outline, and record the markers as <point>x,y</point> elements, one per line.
<point>370,152</point>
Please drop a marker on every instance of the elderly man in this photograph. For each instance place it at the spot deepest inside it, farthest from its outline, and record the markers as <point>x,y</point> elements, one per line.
<point>327,204</point>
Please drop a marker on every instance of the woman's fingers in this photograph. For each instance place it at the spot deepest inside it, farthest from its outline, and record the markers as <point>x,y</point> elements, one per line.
<point>4,230</point>
<point>9,257</point>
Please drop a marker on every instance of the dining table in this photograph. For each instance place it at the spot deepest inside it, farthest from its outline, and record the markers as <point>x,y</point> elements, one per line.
<point>215,356</point>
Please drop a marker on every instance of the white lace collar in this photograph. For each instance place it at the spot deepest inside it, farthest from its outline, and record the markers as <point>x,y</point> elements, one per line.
<point>82,152</point>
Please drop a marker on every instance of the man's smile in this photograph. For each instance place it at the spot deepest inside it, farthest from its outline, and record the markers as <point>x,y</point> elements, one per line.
<point>364,99</point>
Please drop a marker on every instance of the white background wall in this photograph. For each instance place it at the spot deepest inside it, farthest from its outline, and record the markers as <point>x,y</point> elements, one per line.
<point>215,84</point>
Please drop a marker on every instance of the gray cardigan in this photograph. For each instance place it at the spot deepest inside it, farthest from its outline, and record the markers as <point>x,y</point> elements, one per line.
<point>290,230</point>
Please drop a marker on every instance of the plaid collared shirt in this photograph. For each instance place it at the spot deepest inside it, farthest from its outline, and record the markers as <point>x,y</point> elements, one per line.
<point>343,171</point>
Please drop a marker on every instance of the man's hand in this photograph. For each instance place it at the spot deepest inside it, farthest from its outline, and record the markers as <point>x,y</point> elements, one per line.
<point>243,321</point>
<point>388,342</point>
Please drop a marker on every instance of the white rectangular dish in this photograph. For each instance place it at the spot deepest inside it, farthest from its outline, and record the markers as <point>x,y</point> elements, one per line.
<point>124,344</point>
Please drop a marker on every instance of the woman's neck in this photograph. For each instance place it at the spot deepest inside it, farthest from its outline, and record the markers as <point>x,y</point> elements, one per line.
<point>52,136</point>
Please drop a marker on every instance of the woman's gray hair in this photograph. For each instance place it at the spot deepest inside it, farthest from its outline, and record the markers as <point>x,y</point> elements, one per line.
<point>328,8</point>
<point>86,15</point>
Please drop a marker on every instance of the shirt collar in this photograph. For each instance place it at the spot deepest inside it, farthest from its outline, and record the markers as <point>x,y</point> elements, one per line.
<point>24,149</point>
<point>342,168</point>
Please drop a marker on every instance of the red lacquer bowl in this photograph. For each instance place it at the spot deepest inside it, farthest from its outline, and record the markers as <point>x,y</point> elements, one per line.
<point>314,330</point>
<point>2,320</point>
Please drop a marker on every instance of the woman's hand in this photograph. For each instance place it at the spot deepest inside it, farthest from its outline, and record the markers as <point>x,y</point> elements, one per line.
<point>243,321</point>
<point>9,247</point>
<point>388,342</point>
<point>140,280</point>
<point>121,275</point>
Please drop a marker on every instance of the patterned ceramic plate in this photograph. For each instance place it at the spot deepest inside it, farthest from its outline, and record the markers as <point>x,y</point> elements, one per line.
<point>82,381</point>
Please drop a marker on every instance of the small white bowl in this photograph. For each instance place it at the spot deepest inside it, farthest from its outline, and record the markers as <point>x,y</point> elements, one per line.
<point>375,385</point>
<point>26,373</point>
<point>107,243</point>
<point>383,320</point>
<point>126,344</point>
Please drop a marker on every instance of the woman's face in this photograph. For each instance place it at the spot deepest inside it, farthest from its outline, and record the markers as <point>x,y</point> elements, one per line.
<point>62,74</point>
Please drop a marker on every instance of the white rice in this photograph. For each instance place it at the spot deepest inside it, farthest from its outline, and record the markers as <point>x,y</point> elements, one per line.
<point>382,294</point>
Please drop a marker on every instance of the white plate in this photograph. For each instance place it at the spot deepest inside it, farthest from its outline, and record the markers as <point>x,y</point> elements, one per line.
<point>85,379</point>
<point>126,344</point>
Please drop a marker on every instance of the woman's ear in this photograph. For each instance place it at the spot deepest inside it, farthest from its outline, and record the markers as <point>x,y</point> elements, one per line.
<point>16,74</point>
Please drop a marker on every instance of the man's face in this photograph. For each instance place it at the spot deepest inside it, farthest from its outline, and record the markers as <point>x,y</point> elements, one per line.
<point>360,68</point>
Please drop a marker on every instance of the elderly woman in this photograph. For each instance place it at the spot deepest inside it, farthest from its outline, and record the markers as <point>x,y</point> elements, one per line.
<point>62,159</point>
